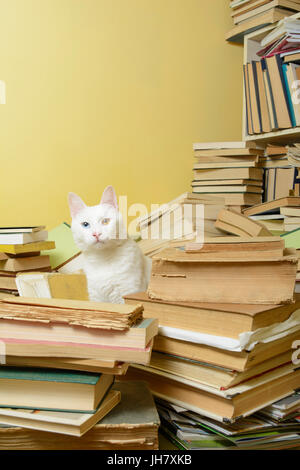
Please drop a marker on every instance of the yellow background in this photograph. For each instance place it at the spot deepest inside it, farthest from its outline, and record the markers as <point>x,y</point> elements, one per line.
<point>110,92</point>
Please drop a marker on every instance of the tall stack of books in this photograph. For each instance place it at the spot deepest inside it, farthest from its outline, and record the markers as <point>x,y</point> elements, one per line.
<point>228,321</point>
<point>59,359</point>
<point>229,170</point>
<point>270,83</point>
<point>20,251</point>
<point>250,15</point>
<point>179,221</point>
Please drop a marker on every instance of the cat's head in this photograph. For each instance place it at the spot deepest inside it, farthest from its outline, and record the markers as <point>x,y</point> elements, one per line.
<point>96,227</point>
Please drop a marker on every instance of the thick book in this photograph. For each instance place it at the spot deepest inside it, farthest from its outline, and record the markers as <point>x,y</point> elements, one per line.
<point>283,113</point>
<point>52,389</point>
<point>52,349</point>
<point>83,313</point>
<point>27,229</point>
<point>85,365</point>
<point>72,424</point>
<point>224,145</point>
<point>180,276</point>
<point>28,263</point>
<point>274,206</point>
<point>16,249</point>
<point>239,361</point>
<point>239,224</point>
<point>222,405</point>
<point>138,336</point>
<point>213,375</point>
<point>228,320</point>
<point>253,174</point>
<point>21,238</point>
<point>132,425</point>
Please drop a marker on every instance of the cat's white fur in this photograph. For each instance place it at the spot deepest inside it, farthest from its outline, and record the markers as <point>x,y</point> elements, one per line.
<point>113,263</point>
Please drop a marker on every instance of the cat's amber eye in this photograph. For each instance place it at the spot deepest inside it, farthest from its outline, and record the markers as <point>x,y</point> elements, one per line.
<point>105,221</point>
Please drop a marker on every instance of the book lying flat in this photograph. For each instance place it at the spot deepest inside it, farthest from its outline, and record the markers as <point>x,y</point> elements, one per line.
<point>14,347</point>
<point>27,247</point>
<point>138,336</point>
<point>85,365</point>
<point>52,389</point>
<point>132,425</point>
<point>214,376</point>
<point>21,238</point>
<point>72,312</point>
<point>34,229</point>
<point>73,424</point>
<point>224,145</point>
<point>272,205</point>
<point>180,276</point>
<point>239,361</point>
<point>29,263</point>
<point>254,174</point>
<point>218,319</point>
<point>222,405</point>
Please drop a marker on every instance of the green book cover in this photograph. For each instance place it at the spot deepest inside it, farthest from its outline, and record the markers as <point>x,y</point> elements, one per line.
<point>49,375</point>
<point>65,245</point>
<point>292,239</point>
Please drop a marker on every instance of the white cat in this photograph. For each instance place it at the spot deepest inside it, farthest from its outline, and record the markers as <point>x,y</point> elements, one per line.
<point>113,263</point>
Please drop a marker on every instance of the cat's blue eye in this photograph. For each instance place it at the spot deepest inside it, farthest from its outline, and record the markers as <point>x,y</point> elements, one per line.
<point>85,224</point>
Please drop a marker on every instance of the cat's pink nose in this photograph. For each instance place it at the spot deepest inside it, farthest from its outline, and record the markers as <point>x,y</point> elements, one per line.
<point>96,235</point>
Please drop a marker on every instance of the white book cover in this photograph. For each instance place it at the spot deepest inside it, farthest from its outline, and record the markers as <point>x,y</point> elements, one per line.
<point>21,238</point>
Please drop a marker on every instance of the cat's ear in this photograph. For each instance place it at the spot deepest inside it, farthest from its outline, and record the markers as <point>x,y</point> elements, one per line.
<point>109,197</point>
<point>76,204</point>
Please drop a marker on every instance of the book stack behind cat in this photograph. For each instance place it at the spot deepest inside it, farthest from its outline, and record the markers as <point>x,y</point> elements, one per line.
<point>20,249</point>
<point>229,170</point>
<point>228,321</point>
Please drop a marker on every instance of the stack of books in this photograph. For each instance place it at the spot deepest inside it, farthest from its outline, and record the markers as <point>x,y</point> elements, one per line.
<point>280,176</point>
<point>229,170</point>
<point>228,321</point>
<point>20,250</point>
<point>250,15</point>
<point>271,83</point>
<point>273,427</point>
<point>269,213</point>
<point>291,218</point>
<point>75,348</point>
<point>132,424</point>
<point>179,221</point>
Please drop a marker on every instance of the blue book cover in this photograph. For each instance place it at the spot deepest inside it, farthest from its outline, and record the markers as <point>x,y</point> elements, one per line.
<point>289,96</point>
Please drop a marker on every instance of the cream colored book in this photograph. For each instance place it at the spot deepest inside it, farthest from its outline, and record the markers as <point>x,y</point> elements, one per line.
<point>52,285</point>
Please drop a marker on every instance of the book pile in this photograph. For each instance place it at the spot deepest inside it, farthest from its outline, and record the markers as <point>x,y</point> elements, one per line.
<point>271,83</point>
<point>280,175</point>
<point>291,218</point>
<point>179,221</point>
<point>273,427</point>
<point>228,321</point>
<point>20,250</point>
<point>60,359</point>
<point>229,170</point>
<point>250,15</point>
<point>270,215</point>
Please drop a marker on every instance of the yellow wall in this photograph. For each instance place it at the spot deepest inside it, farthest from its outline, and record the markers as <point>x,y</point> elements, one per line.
<point>110,92</point>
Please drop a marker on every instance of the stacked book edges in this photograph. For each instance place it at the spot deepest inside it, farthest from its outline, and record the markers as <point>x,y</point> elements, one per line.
<point>226,344</point>
<point>131,425</point>
<point>251,15</point>
<point>20,251</point>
